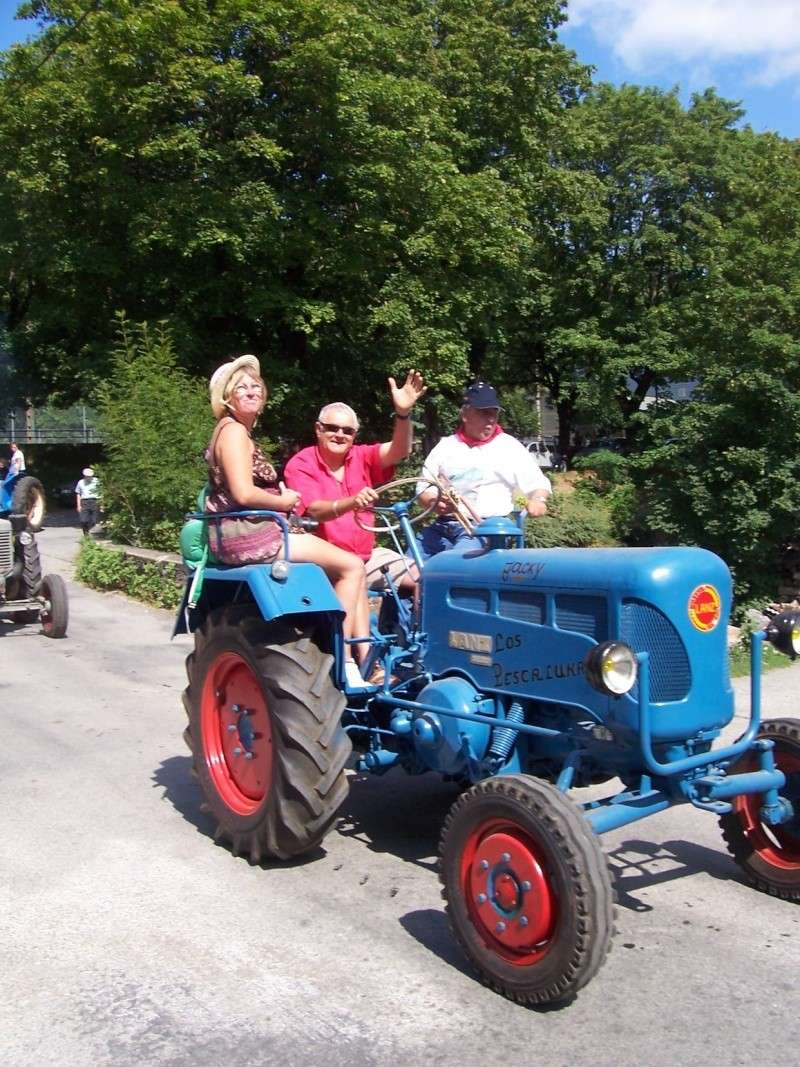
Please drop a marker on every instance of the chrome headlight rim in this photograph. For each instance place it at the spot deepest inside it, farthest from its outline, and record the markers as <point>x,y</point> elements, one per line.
<point>604,661</point>
<point>783,633</point>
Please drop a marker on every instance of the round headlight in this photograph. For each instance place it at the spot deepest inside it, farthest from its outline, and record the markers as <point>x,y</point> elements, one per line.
<point>783,632</point>
<point>612,668</point>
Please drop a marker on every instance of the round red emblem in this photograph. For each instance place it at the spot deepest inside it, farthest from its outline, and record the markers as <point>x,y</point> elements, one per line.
<point>705,607</point>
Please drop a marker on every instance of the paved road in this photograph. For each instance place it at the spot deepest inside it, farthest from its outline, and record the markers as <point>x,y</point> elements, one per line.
<point>130,938</point>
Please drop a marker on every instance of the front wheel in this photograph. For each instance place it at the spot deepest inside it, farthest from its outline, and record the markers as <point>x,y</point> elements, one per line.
<point>769,855</point>
<point>265,733</point>
<point>55,613</point>
<point>527,887</point>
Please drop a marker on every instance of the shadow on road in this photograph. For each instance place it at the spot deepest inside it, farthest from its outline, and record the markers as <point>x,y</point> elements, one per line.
<point>399,815</point>
<point>638,864</point>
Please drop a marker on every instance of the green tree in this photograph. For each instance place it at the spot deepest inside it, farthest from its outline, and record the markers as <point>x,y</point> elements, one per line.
<point>323,182</point>
<point>723,470</point>
<point>155,422</point>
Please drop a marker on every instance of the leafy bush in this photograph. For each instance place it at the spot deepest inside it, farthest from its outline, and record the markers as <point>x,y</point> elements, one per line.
<point>155,422</point>
<point>571,522</point>
<point>107,569</point>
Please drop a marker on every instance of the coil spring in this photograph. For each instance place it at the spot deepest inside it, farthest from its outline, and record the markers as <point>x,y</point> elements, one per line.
<point>502,737</point>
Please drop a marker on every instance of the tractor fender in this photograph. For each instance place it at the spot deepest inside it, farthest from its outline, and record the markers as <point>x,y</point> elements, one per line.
<point>304,590</point>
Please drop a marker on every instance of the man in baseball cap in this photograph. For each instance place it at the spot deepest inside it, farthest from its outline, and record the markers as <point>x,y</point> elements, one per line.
<point>86,494</point>
<point>486,466</point>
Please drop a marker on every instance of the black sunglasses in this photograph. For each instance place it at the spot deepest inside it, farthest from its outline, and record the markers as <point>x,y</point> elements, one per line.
<point>331,427</point>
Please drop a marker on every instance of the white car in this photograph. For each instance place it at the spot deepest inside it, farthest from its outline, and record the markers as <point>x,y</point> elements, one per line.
<point>543,454</point>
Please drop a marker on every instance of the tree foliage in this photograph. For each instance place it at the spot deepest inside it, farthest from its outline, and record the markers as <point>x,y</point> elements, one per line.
<point>155,422</point>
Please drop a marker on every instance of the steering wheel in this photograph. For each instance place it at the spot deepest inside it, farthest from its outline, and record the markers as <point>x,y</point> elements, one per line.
<point>386,511</point>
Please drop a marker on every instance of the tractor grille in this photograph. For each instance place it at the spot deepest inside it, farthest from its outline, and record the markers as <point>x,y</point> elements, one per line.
<point>472,599</point>
<point>646,629</point>
<point>524,606</point>
<point>583,614</point>
<point>6,546</point>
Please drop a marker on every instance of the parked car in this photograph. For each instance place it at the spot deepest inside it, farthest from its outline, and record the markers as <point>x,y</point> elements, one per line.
<point>546,452</point>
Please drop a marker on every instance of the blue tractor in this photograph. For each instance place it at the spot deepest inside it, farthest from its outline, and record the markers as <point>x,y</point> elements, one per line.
<point>26,596</point>
<point>520,674</point>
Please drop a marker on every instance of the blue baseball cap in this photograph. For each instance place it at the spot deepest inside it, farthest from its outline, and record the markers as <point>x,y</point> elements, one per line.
<point>481,395</point>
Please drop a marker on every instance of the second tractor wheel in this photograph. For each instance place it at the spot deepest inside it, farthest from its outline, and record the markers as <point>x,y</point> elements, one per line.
<point>55,614</point>
<point>265,733</point>
<point>527,887</point>
<point>769,855</point>
<point>28,501</point>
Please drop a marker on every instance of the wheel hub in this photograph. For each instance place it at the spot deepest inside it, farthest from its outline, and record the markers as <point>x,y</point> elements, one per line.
<point>237,737</point>
<point>511,894</point>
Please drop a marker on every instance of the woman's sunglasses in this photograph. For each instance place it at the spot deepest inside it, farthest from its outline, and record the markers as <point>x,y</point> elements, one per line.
<point>331,427</point>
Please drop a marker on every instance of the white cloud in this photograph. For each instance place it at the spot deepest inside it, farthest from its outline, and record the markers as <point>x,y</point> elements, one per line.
<point>644,33</point>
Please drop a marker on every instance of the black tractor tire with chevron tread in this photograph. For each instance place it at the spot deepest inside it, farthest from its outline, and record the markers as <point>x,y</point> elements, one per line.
<point>527,888</point>
<point>265,733</point>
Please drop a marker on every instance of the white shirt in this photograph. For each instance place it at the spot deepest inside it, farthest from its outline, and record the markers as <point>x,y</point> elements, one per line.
<point>17,464</point>
<point>87,489</point>
<point>487,476</point>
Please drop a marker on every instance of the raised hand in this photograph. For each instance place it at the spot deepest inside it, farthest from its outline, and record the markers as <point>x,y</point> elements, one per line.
<point>405,397</point>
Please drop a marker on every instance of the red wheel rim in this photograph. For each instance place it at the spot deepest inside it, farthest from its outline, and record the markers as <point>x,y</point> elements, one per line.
<point>777,845</point>
<point>236,734</point>
<point>509,894</point>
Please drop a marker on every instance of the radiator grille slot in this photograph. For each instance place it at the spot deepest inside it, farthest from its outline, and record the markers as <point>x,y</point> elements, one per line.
<point>583,614</point>
<point>525,607</point>
<point>646,629</point>
<point>472,599</point>
<point>6,547</point>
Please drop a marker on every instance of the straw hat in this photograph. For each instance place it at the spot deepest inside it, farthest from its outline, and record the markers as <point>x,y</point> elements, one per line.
<point>221,377</point>
<point>88,472</point>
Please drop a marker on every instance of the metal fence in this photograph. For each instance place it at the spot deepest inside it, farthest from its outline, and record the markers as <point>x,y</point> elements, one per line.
<point>81,436</point>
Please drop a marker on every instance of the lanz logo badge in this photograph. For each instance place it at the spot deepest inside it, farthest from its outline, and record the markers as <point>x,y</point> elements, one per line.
<point>469,642</point>
<point>705,608</point>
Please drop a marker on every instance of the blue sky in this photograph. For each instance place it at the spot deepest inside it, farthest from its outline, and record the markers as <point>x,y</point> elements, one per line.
<point>748,50</point>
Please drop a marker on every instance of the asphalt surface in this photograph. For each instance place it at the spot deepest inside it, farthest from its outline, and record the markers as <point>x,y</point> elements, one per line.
<point>129,937</point>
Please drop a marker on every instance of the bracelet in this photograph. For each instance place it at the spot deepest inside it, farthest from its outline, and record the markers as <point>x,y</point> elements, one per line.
<point>336,509</point>
<point>397,415</point>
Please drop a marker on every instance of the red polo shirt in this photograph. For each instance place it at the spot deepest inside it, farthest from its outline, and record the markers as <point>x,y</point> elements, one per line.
<point>308,474</point>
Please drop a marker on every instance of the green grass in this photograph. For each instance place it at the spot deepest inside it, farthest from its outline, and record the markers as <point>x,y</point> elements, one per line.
<point>770,660</point>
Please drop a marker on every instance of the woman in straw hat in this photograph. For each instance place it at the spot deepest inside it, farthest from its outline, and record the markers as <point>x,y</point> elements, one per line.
<point>242,477</point>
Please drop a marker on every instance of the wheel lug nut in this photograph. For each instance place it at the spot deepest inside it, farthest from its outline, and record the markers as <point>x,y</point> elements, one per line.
<point>506,857</point>
<point>231,728</point>
<point>482,898</point>
<point>248,755</point>
<point>235,709</point>
<point>500,927</point>
<point>525,887</point>
<point>523,920</point>
<point>484,865</point>
<point>237,751</point>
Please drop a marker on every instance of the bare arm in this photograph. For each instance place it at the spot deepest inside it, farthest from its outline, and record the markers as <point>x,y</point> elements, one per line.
<point>234,452</point>
<point>327,510</point>
<point>404,398</point>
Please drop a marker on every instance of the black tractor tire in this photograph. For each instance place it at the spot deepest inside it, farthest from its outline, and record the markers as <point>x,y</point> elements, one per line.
<point>31,580</point>
<point>28,504</point>
<point>527,889</point>
<point>769,856</point>
<point>265,733</point>
<point>55,618</point>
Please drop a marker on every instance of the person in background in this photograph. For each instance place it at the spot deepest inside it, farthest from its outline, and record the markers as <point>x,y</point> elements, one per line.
<point>241,478</point>
<point>87,492</point>
<point>17,464</point>
<point>486,467</point>
<point>336,477</point>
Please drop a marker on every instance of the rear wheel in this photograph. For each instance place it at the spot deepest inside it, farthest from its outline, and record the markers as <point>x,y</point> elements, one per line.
<point>769,855</point>
<point>527,887</point>
<point>265,733</point>
<point>55,614</point>
<point>27,499</point>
